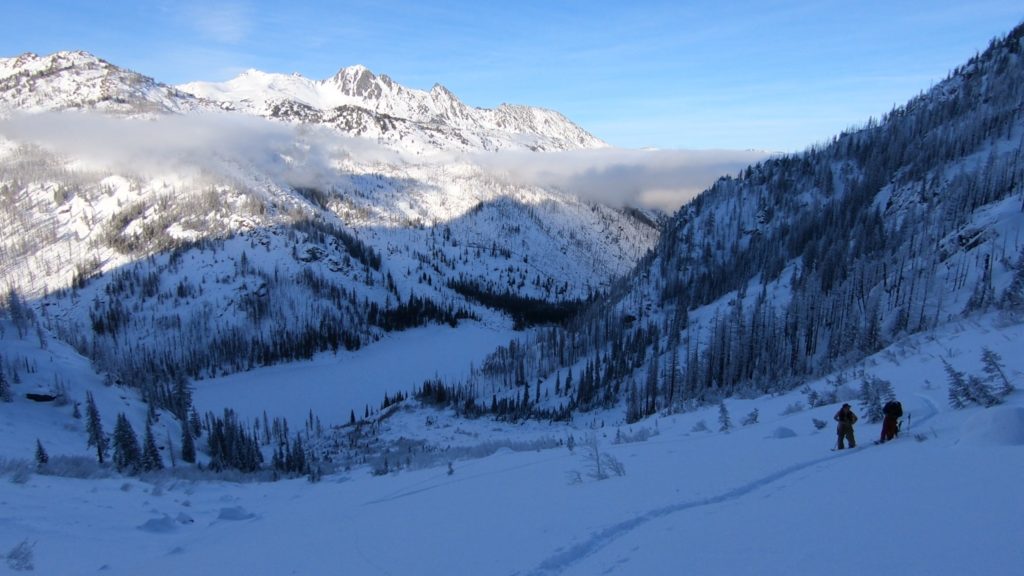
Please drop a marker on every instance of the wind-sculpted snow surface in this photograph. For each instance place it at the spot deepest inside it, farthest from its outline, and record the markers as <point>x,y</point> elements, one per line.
<point>999,426</point>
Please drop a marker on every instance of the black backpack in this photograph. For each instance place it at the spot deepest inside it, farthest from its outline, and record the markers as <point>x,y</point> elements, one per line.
<point>893,408</point>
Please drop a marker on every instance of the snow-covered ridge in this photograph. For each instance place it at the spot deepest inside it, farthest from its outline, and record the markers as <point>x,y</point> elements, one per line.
<point>79,80</point>
<point>394,108</point>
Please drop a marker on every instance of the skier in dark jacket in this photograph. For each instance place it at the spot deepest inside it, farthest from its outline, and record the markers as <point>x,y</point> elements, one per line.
<point>846,419</point>
<point>892,410</point>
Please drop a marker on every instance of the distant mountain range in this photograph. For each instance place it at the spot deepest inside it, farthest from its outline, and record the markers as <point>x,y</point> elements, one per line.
<point>354,101</point>
<point>361,103</point>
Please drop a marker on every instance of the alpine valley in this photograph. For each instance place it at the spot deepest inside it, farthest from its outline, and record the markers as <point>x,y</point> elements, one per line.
<point>360,323</point>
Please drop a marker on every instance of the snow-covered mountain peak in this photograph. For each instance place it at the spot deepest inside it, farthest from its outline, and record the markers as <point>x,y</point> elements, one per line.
<point>32,62</point>
<point>439,90</point>
<point>79,80</point>
<point>359,82</point>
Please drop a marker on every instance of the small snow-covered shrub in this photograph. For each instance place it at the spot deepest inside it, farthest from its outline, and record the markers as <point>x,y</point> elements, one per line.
<point>21,556</point>
<point>21,475</point>
<point>793,408</point>
<point>614,465</point>
<point>781,433</point>
<point>20,470</point>
<point>80,467</point>
<point>602,464</point>
<point>630,436</point>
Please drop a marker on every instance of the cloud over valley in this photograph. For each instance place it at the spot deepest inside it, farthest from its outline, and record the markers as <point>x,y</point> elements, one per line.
<point>224,145</point>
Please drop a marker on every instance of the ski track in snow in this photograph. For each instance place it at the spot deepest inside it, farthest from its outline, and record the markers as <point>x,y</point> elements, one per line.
<point>561,561</point>
<point>933,410</point>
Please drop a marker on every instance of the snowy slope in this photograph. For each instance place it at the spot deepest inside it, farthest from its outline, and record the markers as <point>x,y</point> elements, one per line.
<point>768,498</point>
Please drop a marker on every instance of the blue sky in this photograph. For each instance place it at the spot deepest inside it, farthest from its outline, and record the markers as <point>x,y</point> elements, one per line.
<point>771,75</point>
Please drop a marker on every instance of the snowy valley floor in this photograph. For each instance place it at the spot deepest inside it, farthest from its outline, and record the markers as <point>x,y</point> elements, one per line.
<point>768,498</point>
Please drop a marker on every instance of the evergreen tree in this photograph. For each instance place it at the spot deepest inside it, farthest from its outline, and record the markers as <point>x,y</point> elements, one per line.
<point>20,313</point>
<point>724,421</point>
<point>813,397</point>
<point>751,418</point>
<point>958,394</point>
<point>151,459</point>
<point>1013,297</point>
<point>188,445</point>
<point>982,392</point>
<point>672,376</point>
<point>5,389</point>
<point>94,428</point>
<point>992,364</point>
<point>874,393</point>
<point>230,445</point>
<point>170,450</point>
<point>983,294</point>
<point>633,410</point>
<point>277,459</point>
<point>650,399</point>
<point>297,460</point>
<point>41,456</point>
<point>126,446</point>
<point>181,398</point>
<point>584,391</point>
<point>964,389</point>
<point>195,423</point>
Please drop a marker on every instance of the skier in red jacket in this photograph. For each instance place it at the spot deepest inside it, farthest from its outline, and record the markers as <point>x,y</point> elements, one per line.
<point>892,410</point>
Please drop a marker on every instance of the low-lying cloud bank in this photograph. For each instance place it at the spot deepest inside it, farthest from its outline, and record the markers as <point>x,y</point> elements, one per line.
<point>664,179</point>
<point>296,155</point>
<point>190,145</point>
